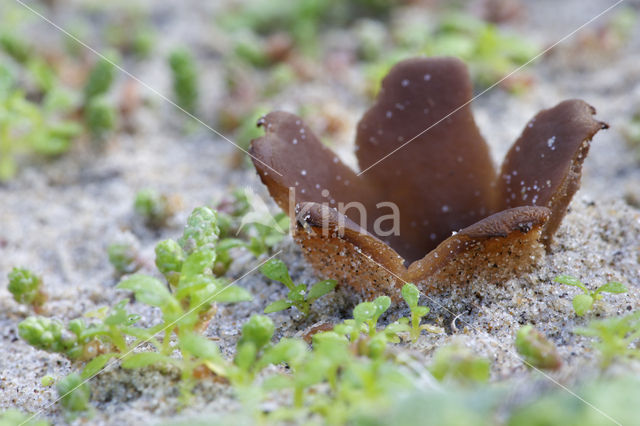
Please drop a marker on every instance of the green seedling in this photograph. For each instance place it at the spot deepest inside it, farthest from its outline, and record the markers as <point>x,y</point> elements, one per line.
<point>13,417</point>
<point>256,335</point>
<point>153,207</point>
<point>263,237</point>
<point>186,310</point>
<point>74,394</point>
<point>169,260</point>
<point>201,231</point>
<point>230,212</point>
<point>124,254</point>
<point>16,48</point>
<point>582,303</point>
<point>460,364</point>
<point>138,40</point>
<point>26,288</point>
<point>47,334</point>
<point>47,381</point>
<point>537,351</point>
<point>77,340</point>
<point>411,296</point>
<point>250,48</point>
<point>29,128</point>
<point>101,77</point>
<point>616,337</point>
<point>302,19</point>
<point>263,231</point>
<point>298,295</point>
<point>490,52</point>
<point>185,79</point>
<point>368,314</point>
<point>100,117</point>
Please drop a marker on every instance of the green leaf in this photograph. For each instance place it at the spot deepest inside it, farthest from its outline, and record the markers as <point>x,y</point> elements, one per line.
<point>382,303</point>
<point>278,305</point>
<point>149,290</point>
<point>232,294</point>
<point>410,294</point>
<point>245,355</point>
<point>145,359</point>
<point>118,314</point>
<point>74,393</point>
<point>421,310</point>
<point>258,329</point>
<point>569,280</point>
<point>298,293</point>
<point>197,263</point>
<point>95,365</point>
<point>188,287</point>
<point>364,311</point>
<point>276,270</point>
<point>291,351</point>
<point>199,346</point>
<point>612,287</point>
<point>229,243</point>
<point>536,349</point>
<point>582,303</point>
<point>321,288</point>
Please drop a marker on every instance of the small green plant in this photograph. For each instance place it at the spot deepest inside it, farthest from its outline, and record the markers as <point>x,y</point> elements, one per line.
<point>490,51</point>
<point>76,339</point>
<point>13,417</point>
<point>100,117</point>
<point>298,295</point>
<point>185,79</point>
<point>26,288</point>
<point>537,351</point>
<point>101,77</point>
<point>411,296</point>
<point>257,235</point>
<point>74,393</point>
<point>29,128</point>
<point>459,363</point>
<point>616,337</point>
<point>124,254</point>
<point>187,307</point>
<point>153,207</point>
<point>169,260</point>
<point>582,303</point>
<point>16,48</point>
<point>47,380</point>
<point>302,20</point>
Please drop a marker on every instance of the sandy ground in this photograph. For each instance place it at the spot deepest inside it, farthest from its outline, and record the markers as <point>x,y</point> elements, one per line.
<point>58,218</point>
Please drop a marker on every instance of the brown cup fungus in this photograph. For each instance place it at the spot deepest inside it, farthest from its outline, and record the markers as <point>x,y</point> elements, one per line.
<point>419,149</point>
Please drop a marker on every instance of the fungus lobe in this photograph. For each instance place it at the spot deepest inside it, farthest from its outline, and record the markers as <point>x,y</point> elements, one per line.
<point>419,148</point>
